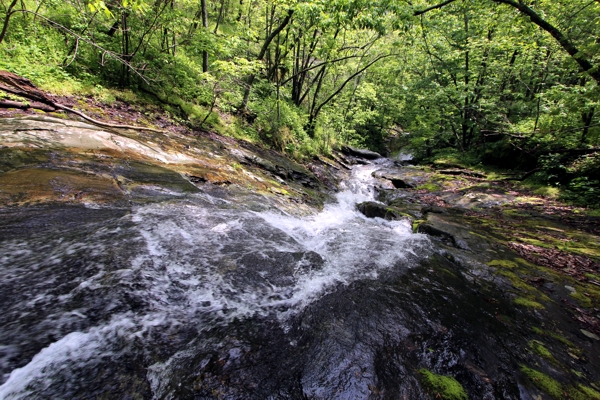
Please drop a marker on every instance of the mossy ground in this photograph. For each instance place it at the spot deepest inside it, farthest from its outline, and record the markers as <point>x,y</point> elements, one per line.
<point>541,350</point>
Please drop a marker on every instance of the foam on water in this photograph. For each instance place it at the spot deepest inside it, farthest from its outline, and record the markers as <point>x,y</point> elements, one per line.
<point>200,262</point>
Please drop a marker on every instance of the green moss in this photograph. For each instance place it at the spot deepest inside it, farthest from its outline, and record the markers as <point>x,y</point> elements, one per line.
<point>524,262</point>
<point>537,330</point>
<point>448,272</point>
<point>593,276</point>
<point>416,223</point>
<point>581,392</point>
<point>503,264</point>
<point>522,301</point>
<point>544,382</point>
<point>594,394</point>
<point>541,350</point>
<point>557,337</point>
<point>429,187</point>
<point>518,283</point>
<point>445,387</point>
<point>582,299</point>
<point>535,242</point>
<point>578,374</point>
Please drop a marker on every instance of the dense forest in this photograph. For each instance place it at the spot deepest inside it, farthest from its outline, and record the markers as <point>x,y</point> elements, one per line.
<point>509,84</point>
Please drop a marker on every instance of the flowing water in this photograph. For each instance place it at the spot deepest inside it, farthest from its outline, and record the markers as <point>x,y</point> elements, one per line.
<point>198,297</point>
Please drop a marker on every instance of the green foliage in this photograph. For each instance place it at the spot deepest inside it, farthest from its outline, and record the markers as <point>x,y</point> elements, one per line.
<point>577,176</point>
<point>445,387</point>
<point>472,81</point>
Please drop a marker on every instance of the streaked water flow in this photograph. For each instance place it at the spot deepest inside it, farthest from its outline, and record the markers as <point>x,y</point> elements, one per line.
<point>146,285</point>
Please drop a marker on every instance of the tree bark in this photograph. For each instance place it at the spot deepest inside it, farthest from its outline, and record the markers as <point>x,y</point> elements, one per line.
<point>420,12</point>
<point>313,116</point>
<point>586,117</point>
<point>585,64</point>
<point>220,17</point>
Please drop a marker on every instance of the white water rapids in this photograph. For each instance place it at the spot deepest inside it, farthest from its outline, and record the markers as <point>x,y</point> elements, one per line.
<point>189,264</point>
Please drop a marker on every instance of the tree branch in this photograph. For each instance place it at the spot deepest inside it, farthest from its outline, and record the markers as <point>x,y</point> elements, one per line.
<point>420,12</point>
<point>564,41</point>
<point>360,71</point>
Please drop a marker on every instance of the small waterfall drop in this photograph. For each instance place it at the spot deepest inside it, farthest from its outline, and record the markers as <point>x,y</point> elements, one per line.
<point>146,285</point>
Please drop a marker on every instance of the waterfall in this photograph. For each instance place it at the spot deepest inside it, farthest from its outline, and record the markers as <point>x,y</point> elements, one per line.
<point>146,285</point>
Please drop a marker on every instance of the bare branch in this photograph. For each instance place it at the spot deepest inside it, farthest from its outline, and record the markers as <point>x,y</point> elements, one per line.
<point>420,12</point>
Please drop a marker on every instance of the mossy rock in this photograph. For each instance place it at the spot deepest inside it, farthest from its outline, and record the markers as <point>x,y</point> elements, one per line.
<point>538,348</point>
<point>522,301</point>
<point>503,264</point>
<point>445,387</point>
<point>544,382</point>
<point>372,209</point>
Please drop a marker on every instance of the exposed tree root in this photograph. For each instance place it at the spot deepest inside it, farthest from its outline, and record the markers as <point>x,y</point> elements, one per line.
<point>17,85</point>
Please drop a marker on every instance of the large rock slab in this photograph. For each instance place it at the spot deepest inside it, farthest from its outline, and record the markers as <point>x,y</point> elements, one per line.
<point>403,178</point>
<point>45,159</point>
<point>363,153</point>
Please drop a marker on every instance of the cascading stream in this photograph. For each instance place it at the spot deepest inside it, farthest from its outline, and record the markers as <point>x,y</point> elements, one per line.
<point>146,286</point>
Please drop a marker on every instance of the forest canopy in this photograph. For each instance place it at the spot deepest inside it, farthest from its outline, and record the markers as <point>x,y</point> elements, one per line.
<point>504,83</point>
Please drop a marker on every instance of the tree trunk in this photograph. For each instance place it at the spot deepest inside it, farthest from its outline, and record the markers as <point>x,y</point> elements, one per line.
<point>261,55</point>
<point>219,17</point>
<point>587,121</point>
<point>9,13</point>
<point>205,25</point>
<point>125,50</point>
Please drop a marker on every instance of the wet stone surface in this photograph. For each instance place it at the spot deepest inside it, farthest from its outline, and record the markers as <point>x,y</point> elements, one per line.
<point>146,269</point>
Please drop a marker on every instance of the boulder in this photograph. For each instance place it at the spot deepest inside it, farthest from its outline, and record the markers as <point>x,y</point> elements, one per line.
<point>403,177</point>
<point>373,209</point>
<point>447,230</point>
<point>363,153</point>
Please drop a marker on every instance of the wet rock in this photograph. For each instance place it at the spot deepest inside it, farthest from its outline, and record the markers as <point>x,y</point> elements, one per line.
<point>403,178</point>
<point>478,198</point>
<point>363,153</point>
<point>461,172</point>
<point>447,230</point>
<point>403,201</point>
<point>590,334</point>
<point>373,209</point>
<point>45,159</point>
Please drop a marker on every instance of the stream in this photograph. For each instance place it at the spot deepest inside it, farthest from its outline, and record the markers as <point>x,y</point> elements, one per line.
<point>198,297</point>
<point>170,266</point>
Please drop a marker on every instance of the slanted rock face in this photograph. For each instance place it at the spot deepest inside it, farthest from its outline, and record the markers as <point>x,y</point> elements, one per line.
<point>45,159</point>
<point>446,228</point>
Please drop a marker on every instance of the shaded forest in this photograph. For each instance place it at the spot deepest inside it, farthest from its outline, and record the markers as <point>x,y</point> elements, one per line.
<point>505,84</point>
